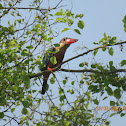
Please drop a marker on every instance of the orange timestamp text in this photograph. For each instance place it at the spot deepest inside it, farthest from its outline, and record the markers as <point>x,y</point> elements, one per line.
<point>113,108</point>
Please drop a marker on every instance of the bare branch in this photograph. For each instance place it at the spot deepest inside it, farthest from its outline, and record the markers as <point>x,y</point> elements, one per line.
<point>93,71</point>
<point>120,43</point>
<point>31,8</point>
<point>78,71</point>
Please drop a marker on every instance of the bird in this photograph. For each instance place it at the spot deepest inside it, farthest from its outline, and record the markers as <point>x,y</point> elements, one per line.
<point>58,53</point>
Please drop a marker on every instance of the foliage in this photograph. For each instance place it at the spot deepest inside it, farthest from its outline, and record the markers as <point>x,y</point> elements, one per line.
<point>20,41</point>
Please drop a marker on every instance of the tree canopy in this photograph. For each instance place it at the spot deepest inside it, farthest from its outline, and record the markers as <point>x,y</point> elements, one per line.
<point>74,95</point>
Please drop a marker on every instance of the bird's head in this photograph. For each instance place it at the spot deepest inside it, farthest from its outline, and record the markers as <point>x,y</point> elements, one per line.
<point>68,40</point>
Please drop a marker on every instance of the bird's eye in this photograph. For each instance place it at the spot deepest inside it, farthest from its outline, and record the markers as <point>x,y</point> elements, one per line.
<point>64,39</point>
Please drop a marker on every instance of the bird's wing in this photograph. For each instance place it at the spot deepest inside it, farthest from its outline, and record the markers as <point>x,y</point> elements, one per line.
<point>46,58</point>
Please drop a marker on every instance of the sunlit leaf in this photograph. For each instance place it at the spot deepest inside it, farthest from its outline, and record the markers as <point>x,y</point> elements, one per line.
<point>61,91</point>
<point>124,21</point>
<point>95,52</point>
<point>65,29</point>
<point>37,26</point>
<point>53,60</point>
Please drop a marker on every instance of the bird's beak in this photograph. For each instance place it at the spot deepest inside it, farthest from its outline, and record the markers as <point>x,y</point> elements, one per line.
<point>70,40</point>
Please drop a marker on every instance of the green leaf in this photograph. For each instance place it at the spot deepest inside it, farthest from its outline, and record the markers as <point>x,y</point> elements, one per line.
<point>123,62</point>
<point>105,98</point>
<point>25,104</point>
<point>81,24</point>
<point>113,41</point>
<point>95,52</point>
<point>37,26</point>
<point>93,65</point>
<point>117,93</point>
<point>110,63</point>
<point>65,29</point>
<point>112,103</point>
<point>81,81</point>
<point>1,7</point>
<point>62,98</point>
<point>124,87</point>
<point>79,15</point>
<point>111,51</point>
<point>25,52</point>
<point>64,82</point>
<point>100,67</point>
<point>109,90</point>
<point>52,80</point>
<point>26,80</point>
<point>72,82</point>
<point>59,13</point>
<point>1,115</point>
<point>122,114</point>
<point>77,31</point>
<point>81,64</point>
<point>124,21</point>
<point>61,91</point>
<point>5,12</point>
<point>56,45</point>
<point>19,21</point>
<point>71,91</point>
<point>12,110</point>
<point>107,123</point>
<point>96,101</point>
<point>29,47</point>
<point>53,60</point>
<point>24,111</point>
<point>68,13</point>
<point>112,114</point>
<point>103,49</point>
<point>44,23</point>
<point>4,29</point>
<point>58,19</point>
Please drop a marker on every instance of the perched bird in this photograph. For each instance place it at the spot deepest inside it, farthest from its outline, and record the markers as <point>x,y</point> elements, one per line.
<point>58,53</point>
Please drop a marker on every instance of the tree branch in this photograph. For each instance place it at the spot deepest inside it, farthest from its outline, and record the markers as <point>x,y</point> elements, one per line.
<point>78,71</point>
<point>84,70</point>
<point>32,8</point>
<point>93,71</point>
<point>120,43</point>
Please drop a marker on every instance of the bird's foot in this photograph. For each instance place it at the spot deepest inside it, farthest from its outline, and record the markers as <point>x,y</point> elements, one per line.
<point>50,70</point>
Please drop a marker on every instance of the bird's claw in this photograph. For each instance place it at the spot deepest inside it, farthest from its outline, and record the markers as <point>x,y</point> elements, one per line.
<point>50,70</point>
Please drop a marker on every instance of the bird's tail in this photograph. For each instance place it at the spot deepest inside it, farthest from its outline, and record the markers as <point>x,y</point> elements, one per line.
<point>44,86</point>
